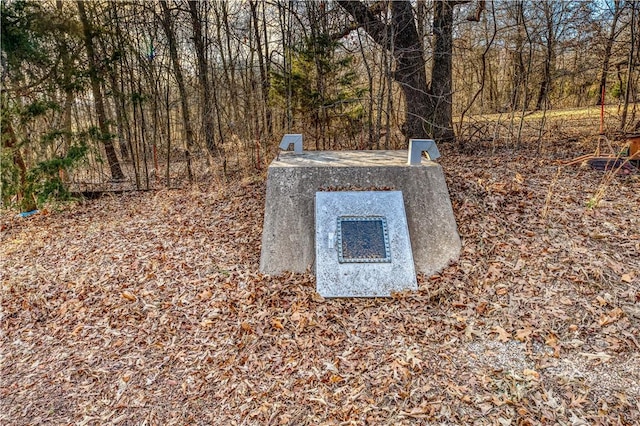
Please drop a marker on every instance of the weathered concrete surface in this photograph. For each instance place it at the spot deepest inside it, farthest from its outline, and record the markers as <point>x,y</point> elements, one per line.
<point>335,279</point>
<point>292,181</point>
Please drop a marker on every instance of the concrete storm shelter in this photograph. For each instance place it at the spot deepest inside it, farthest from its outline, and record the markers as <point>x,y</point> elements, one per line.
<point>341,214</point>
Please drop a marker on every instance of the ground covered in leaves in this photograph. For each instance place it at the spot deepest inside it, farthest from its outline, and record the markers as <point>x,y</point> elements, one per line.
<point>148,308</point>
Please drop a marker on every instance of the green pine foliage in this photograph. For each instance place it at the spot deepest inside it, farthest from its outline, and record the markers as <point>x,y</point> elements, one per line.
<point>44,181</point>
<point>9,177</point>
<point>21,37</point>
<point>35,157</point>
<point>323,86</point>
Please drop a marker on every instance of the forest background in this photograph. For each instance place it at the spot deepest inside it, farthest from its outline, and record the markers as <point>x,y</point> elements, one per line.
<point>139,93</point>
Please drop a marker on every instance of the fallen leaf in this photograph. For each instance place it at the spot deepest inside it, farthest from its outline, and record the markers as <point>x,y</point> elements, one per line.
<point>276,323</point>
<point>129,296</point>
<point>205,295</point>
<point>502,290</point>
<point>600,356</point>
<point>206,322</point>
<point>524,333</point>
<point>335,378</point>
<point>611,317</point>
<point>494,272</point>
<point>519,178</point>
<point>503,335</point>
<point>531,374</point>
<point>552,340</point>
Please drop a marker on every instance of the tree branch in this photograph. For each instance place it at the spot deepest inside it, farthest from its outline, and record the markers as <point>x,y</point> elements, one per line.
<point>367,19</point>
<point>475,17</point>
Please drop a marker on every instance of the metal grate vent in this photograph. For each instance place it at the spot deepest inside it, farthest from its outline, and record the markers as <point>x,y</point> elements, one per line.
<point>363,239</point>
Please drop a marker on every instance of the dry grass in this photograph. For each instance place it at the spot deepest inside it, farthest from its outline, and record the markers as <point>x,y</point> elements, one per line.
<point>148,309</point>
<point>562,133</point>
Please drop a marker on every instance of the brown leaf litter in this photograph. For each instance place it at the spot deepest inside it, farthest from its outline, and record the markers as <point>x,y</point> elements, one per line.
<point>148,309</point>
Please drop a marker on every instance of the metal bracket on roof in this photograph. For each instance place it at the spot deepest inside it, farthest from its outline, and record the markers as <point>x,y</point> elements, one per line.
<point>295,139</point>
<point>418,146</point>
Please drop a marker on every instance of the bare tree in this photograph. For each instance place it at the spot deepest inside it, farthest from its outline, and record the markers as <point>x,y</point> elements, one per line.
<point>262,48</point>
<point>616,12</point>
<point>549,58</point>
<point>105,135</point>
<point>206,95</point>
<point>630,66</point>
<point>169,30</point>
<point>428,106</point>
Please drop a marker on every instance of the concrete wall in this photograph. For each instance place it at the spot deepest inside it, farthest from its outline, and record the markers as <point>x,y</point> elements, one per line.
<point>293,179</point>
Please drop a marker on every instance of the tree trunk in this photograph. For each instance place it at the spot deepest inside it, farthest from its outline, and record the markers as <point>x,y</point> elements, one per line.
<point>115,75</point>
<point>441,79</point>
<point>549,60</point>
<point>167,25</point>
<point>264,66</point>
<point>428,108</point>
<point>607,51</point>
<point>408,53</point>
<point>627,92</point>
<point>10,143</point>
<point>410,73</point>
<point>518,60</point>
<point>105,135</point>
<point>225,54</point>
<point>203,75</point>
<point>67,75</point>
